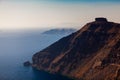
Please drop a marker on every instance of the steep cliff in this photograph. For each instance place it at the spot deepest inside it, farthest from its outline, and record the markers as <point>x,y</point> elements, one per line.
<point>92,53</point>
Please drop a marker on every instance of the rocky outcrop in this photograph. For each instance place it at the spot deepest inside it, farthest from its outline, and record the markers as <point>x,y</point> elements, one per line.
<point>101,19</point>
<point>92,53</point>
<point>27,64</point>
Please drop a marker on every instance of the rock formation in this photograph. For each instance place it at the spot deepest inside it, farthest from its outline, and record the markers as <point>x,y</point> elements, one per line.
<point>101,19</point>
<point>27,64</point>
<point>91,53</point>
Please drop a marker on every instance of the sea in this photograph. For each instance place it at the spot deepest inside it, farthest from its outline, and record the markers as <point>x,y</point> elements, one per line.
<point>16,47</point>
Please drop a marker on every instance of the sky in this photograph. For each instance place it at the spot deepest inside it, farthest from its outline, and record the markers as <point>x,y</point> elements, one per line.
<point>37,14</point>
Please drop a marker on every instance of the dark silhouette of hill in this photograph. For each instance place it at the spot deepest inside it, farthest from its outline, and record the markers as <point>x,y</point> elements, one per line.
<point>60,31</point>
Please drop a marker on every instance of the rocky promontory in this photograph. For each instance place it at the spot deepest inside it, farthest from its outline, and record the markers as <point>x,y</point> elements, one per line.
<point>91,53</point>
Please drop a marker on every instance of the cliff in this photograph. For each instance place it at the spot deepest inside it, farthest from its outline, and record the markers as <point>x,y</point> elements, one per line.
<point>91,53</point>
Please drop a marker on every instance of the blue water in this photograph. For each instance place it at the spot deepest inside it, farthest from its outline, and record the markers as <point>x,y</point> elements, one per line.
<point>16,48</point>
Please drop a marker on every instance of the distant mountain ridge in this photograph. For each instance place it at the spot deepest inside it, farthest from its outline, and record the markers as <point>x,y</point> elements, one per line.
<point>60,31</point>
<point>91,53</point>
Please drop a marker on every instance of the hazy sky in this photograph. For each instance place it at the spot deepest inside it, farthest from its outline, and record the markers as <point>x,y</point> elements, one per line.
<point>33,14</point>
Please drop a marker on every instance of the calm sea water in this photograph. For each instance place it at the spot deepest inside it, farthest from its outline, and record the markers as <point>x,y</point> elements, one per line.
<point>17,48</point>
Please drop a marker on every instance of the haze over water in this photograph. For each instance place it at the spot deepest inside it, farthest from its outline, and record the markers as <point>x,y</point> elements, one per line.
<point>15,49</point>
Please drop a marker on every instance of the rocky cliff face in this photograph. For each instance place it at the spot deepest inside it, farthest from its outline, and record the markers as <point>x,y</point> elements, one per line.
<point>92,53</point>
